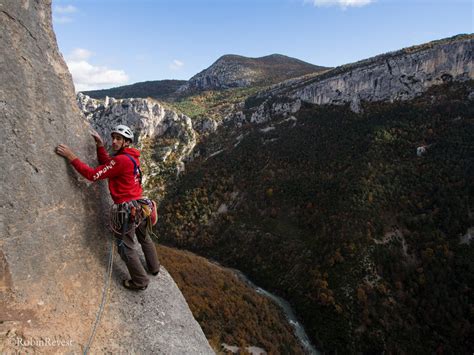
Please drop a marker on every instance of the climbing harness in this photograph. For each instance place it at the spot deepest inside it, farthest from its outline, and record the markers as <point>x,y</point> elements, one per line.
<point>124,217</point>
<point>136,168</point>
<point>105,292</point>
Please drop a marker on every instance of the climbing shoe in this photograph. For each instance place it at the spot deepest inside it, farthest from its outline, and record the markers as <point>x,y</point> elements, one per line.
<point>156,272</point>
<point>131,286</point>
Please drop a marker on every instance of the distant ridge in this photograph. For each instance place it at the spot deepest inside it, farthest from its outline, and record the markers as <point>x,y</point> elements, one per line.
<point>232,70</point>
<point>158,89</point>
<point>287,87</point>
<point>229,71</point>
<point>398,75</point>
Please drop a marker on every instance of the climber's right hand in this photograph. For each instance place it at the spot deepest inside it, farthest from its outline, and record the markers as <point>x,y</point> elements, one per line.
<point>66,152</point>
<point>98,140</point>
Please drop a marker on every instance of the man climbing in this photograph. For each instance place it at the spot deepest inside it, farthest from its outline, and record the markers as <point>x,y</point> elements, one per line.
<point>123,172</point>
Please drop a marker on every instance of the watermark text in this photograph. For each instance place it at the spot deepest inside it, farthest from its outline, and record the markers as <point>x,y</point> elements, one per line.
<point>40,342</point>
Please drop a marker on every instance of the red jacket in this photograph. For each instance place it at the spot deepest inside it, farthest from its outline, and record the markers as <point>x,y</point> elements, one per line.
<point>124,186</point>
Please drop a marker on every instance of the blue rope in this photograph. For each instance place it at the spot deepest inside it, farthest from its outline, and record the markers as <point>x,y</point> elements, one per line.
<point>104,296</point>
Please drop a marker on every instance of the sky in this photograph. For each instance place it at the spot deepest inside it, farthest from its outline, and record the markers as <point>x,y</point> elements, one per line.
<point>109,43</point>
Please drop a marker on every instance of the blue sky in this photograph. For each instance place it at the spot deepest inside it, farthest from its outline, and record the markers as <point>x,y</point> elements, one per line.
<point>109,43</point>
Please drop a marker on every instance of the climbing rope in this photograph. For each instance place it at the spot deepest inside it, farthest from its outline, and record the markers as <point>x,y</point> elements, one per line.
<point>104,296</point>
<point>118,217</point>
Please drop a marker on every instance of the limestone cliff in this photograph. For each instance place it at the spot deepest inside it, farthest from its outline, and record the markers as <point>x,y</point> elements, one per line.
<point>400,75</point>
<point>166,138</point>
<point>53,239</point>
<point>146,117</point>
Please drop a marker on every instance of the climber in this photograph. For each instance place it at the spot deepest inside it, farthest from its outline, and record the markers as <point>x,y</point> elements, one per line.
<point>126,191</point>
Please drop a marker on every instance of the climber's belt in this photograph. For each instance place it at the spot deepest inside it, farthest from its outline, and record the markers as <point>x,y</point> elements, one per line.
<point>128,215</point>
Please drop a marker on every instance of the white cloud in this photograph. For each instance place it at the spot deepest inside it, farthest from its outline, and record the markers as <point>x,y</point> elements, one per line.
<point>176,64</point>
<point>87,76</point>
<point>342,3</point>
<point>61,19</point>
<point>79,54</point>
<point>62,14</point>
<point>67,9</point>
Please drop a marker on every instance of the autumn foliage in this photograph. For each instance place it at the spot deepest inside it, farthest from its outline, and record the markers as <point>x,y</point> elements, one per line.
<point>339,215</point>
<point>228,310</point>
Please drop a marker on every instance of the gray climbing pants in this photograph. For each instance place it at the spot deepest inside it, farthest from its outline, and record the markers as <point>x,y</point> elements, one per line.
<point>128,253</point>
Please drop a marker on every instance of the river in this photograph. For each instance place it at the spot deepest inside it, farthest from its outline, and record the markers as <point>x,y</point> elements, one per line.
<point>287,310</point>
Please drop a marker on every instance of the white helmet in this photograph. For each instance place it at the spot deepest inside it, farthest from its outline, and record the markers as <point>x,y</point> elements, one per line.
<point>124,131</point>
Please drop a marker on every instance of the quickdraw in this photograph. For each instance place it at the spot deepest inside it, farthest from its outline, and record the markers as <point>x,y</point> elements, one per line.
<point>149,211</point>
<point>124,217</point>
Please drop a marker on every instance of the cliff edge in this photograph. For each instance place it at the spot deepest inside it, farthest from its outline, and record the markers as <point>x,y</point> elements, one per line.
<point>54,243</point>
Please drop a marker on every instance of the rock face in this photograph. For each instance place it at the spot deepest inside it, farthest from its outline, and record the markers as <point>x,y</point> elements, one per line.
<point>170,134</point>
<point>400,75</point>
<point>231,71</point>
<point>53,240</point>
<point>147,118</point>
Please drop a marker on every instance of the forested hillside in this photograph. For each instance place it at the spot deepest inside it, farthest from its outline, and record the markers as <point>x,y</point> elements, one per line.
<point>337,212</point>
<point>157,89</point>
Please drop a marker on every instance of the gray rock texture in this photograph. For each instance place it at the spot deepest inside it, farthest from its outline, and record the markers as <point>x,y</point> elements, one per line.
<point>204,125</point>
<point>146,117</point>
<point>232,71</point>
<point>167,137</point>
<point>223,74</point>
<point>53,240</point>
<point>400,75</point>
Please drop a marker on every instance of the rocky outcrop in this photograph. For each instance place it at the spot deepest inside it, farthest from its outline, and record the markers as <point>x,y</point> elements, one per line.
<point>205,125</point>
<point>53,240</point>
<point>223,74</point>
<point>400,75</point>
<point>231,71</point>
<point>265,113</point>
<point>149,120</point>
<point>146,117</point>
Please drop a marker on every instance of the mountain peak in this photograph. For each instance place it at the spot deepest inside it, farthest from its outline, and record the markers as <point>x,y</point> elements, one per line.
<point>232,70</point>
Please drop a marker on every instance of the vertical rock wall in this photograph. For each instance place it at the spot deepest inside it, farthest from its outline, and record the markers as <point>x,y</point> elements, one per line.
<point>53,239</point>
<point>400,75</point>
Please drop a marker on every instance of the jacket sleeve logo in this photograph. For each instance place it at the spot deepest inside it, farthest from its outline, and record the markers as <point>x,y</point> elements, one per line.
<point>104,170</point>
